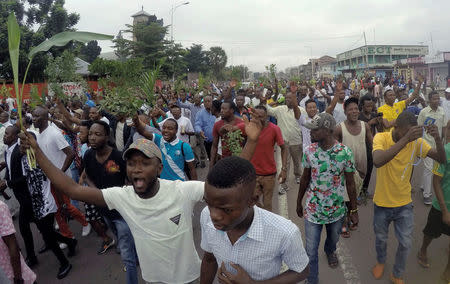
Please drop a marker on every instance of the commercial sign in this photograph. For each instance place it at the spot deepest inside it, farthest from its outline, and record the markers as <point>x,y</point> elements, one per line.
<point>446,56</point>
<point>384,50</point>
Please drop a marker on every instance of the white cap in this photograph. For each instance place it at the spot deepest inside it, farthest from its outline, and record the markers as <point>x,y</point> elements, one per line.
<point>447,90</point>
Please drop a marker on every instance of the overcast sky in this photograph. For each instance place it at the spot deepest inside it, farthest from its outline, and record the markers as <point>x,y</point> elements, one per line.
<point>285,32</point>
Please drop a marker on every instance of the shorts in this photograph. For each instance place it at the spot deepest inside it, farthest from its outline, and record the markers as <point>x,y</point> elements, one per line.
<point>435,227</point>
<point>91,212</point>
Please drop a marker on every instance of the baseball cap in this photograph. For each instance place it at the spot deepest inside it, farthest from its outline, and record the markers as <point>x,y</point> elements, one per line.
<point>79,111</point>
<point>447,90</point>
<point>146,147</point>
<point>321,120</point>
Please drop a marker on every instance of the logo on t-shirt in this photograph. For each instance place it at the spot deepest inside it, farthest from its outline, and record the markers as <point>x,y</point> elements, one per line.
<point>112,167</point>
<point>176,219</point>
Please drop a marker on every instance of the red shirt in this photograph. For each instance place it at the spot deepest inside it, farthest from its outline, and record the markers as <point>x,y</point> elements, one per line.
<point>264,159</point>
<point>236,122</point>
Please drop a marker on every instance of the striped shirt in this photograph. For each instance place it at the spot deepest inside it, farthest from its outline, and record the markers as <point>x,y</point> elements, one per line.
<point>270,240</point>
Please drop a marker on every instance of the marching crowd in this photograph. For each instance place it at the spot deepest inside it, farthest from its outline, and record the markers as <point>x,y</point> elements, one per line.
<point>136,178</point>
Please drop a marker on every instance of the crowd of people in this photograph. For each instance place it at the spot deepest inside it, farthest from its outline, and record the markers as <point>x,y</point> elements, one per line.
<point>134,181</point>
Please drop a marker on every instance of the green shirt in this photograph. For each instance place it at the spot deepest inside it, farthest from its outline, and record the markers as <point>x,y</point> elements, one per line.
<point>443,170</point>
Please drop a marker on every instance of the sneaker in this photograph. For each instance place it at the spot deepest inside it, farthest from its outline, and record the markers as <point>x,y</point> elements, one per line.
<point>427,200</point>
<point>297,180</point>
<point>105,246</point>
<point>377,270</point>
<point>86,230</point>
<point>283,189</point>
<point>397,280</point>
<point>72,246</point>
<point>62,246</point>
<point>64,270</point>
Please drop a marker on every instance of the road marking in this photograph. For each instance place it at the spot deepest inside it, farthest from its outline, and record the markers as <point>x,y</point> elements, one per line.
<point>349,270</point>
<point>351,274</point>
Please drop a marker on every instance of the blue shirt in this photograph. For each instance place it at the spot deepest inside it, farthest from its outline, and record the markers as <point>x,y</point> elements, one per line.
<point>192,107</point>
<point>205,122</point>
<point>173,159</point>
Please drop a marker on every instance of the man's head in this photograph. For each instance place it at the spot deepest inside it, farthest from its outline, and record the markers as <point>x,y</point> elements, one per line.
<point>403,123</point>
<point>216,107</point>
<point>11,135</point>
<point>311,108</point>
<point>230,199</point>
<point>389,97</point>
<point>169,129</point>
<point>260,112</point>
<point>143,160</point>
<point>207,102</point>
<point>4,117</point>
<point>435,99</point>
<point>40,117</point>
<point>240,101</point>
<point>197,99</point>
<point>447,94</point>
<point>322,127</point>
<point>94,114</point>
<point>351,109</point>
<point>227,110</point>
<point>366,104</point>
<point>291,98</point>
<point>341,95</point>
<point>176,111</point>
<point>98,134</point>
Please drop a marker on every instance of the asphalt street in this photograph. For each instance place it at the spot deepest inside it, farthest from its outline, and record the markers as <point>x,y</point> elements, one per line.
<point>356,254</point>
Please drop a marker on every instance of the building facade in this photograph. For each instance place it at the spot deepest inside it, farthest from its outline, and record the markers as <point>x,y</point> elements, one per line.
<point>377,60</point>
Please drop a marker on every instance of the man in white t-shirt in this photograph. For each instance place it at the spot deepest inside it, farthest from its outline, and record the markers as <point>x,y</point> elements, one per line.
<point>445,104</point>
<point>158,212</point>
<point>185,128</point>
<point>336,107</point>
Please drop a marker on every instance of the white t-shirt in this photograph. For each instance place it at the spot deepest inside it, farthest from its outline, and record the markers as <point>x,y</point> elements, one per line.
<point>119,136</point>
<point>446,106</point>
<point>10,102</point>
<point>183,123</point>
<point>105,119</point>
<point>306,133</point>
<point>338,113</point>
<point>161,228</point>
<point>51,141</point>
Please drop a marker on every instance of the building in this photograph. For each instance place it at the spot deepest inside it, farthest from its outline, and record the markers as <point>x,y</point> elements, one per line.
<point>324,67</point>
<point>376,59</point>
<point>436,69</point>
<point>143,17</point>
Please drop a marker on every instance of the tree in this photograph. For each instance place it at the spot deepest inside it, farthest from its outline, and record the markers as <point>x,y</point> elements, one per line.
<point>174,64</point>
<point>117,72</point>
<point>217,59</point>
<point>122,47</point>
<point>90,51</point>
<point>195,59</point>
<point>62,68</point>
<point>149,44</point>
<point>38,20</point>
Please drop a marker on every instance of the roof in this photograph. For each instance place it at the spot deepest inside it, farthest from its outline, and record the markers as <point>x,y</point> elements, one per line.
<point>109,55</point>
<point>141,13</point>
<point>82,66</point>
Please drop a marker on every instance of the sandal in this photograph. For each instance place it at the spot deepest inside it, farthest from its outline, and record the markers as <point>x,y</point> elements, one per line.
<point>345,232</point>
<point>332,260</point>
<point>422,261</point>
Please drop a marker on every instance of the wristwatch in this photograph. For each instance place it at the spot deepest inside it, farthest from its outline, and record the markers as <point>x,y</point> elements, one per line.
<point>353,210</point>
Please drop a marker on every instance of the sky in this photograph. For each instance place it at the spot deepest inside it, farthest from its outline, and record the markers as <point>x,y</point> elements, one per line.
<point>284,32</point>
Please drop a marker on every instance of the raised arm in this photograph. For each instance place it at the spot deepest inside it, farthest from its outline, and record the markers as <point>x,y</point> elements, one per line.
<point>66,113</point>
<point>382,157</point>
<point>416,92</point>
<point>437,154</point>
<point>140,127</point>
<point>60,180</point>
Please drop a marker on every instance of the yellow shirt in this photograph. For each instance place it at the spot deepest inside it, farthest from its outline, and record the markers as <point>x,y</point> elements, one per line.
<point>391,113</point>
<point>393,187</point>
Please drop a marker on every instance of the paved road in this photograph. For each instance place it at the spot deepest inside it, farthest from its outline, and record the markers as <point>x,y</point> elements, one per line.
<point>357,254</point>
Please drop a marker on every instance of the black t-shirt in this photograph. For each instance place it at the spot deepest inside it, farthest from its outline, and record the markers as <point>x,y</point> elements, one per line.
<point>110,173</point>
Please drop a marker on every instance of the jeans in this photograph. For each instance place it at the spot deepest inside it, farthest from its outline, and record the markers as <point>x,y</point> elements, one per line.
<point>403,219</point>
<point>125,242</point>
<point>312,236</point>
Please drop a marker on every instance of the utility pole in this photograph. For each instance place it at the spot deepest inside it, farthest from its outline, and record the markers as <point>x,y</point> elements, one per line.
<point>367,51</point>
<point>171,33</point>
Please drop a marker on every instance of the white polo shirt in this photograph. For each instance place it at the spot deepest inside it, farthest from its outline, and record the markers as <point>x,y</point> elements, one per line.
<point>270,240</point>
<point>162,228</point>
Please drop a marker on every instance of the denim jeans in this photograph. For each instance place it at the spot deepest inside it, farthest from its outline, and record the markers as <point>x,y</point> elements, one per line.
<point>403,219</point>
<point>312,236</point>
<point>125,243</point>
